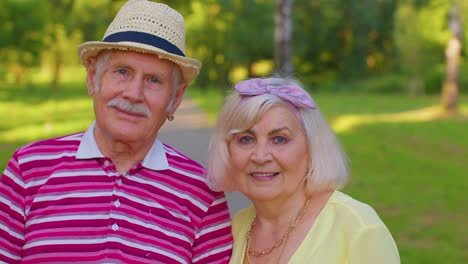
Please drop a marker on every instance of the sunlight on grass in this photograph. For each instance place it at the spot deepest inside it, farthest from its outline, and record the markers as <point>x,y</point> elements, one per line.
<point>70,74</point>
<point>345,123</point>
<point>51,118</point>
<point>44,130</point>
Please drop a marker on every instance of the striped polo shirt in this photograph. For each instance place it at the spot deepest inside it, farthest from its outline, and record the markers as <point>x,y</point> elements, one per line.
<point>63,201</point>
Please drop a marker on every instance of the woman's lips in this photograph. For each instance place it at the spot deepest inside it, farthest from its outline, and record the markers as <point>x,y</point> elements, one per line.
<point>264,176</point>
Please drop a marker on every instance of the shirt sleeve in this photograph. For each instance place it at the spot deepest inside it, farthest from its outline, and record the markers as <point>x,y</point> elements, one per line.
<point>213,241</point>
<point>12,213</point>
<point>374,244</point>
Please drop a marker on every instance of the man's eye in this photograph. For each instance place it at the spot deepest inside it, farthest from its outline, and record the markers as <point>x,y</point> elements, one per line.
<point>122,71</point>
<point>153,80</point>
<point>280,140</point>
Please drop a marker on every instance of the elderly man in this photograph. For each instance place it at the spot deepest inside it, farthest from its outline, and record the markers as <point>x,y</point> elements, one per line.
<point>115,193</point>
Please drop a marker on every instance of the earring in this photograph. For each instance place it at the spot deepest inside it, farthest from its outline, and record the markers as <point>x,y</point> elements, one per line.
<point>170,118</point>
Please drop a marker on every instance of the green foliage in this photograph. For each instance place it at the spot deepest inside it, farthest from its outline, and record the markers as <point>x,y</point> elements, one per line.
<point>229,34</point>
<point>421,31</point>
<point>93,17</point>
<point>21,31</point>
<point>334,41</point>
<point>351,38</point>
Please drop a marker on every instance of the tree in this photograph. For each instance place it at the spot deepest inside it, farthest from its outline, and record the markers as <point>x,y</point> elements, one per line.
<point>21,36</point>
<point>452,53</point>
<point>283,33</point>
<point>59,36</point>
<point>420,30</point>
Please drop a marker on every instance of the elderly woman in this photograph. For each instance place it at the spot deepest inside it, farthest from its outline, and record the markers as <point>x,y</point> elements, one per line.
<point>272,144</point>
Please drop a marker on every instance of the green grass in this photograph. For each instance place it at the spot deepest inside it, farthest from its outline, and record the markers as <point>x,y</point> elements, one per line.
<point>408,161</point>
<point>37,113</point>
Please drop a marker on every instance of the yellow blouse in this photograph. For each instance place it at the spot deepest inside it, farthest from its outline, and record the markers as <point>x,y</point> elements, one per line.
<point>345,232</point>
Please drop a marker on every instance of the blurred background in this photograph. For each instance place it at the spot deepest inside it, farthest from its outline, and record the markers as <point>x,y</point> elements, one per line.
<point>391,76</point>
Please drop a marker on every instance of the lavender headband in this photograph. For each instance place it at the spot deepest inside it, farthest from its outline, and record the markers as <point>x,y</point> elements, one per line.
<point>291,93</point>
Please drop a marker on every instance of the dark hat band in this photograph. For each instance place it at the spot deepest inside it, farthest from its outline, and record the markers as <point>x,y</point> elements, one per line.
<point>144,38</point>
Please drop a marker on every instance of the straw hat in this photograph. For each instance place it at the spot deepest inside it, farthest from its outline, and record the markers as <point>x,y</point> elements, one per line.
<point>147,27</point>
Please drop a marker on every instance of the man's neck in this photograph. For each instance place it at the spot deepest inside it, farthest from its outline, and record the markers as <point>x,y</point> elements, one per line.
<point>124,155</point>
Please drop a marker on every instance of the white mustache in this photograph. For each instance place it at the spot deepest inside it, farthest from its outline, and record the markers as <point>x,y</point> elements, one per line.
<point>130,107</point>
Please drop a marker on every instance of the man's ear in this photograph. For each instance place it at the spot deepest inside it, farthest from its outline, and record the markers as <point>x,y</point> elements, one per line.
<point>90,74</point>
<point>178,97</point>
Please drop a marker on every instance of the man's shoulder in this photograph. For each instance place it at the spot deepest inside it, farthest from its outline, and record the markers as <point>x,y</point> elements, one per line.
<point>59,143</point>
<point>177,158</point>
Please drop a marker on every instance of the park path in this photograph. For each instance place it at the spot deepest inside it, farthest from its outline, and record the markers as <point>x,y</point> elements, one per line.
<point>189,133</point>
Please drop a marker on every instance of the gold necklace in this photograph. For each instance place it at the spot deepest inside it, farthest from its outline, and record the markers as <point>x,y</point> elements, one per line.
<point>281,241</point>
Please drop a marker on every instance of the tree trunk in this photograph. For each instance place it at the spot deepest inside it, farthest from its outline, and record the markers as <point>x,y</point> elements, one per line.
<point>56,76</point>
<point>452,53</point>
<point>450,87</point>
<point>283,34</point>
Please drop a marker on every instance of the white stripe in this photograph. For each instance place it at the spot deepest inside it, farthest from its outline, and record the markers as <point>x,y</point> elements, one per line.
<point>172,191</point>
<point>81,172</point>
<point>99,241</point>
<point>38,157</point>
<point>212,252</point>
<point>13,176</point>
<point>173,153</point>
<point>13,207</point>
<point>150,226</point>
<point>189,174</point>
<point>8,230</point>
<point>45,198</point>
<point>71,137</point>
<point>67,218</point>
<point>213,228</point>
<point>64,242</point>
<point>9,255</point>
<point>219,200</point>
<point>67,174</point>
<point>151,204</point>
<point>148,248</point>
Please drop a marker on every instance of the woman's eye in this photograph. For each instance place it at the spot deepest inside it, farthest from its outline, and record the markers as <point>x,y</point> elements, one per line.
<point>280,140</point>
<point>245,139</point>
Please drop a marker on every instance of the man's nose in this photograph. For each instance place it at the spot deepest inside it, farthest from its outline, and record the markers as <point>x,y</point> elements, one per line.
<point>134,90</point>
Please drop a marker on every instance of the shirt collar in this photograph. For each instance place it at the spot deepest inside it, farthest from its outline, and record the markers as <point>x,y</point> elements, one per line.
<point>155,159</point>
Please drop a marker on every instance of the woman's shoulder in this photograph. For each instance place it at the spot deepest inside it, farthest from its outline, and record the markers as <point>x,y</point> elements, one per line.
<point>349,208</point>
<point>243,218</point>
<point>245,214</point>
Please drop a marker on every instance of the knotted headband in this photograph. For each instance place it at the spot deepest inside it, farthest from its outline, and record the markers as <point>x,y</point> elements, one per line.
<point>291,93</point>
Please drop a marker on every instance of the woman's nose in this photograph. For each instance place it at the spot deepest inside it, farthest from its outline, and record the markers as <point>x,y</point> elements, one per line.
<point>261,153</point>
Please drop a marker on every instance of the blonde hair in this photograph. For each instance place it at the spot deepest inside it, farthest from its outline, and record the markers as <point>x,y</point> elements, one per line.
<point>327,165</point>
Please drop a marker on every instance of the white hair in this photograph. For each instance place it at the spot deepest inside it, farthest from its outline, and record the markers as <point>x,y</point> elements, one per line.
<point>327,164</point>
